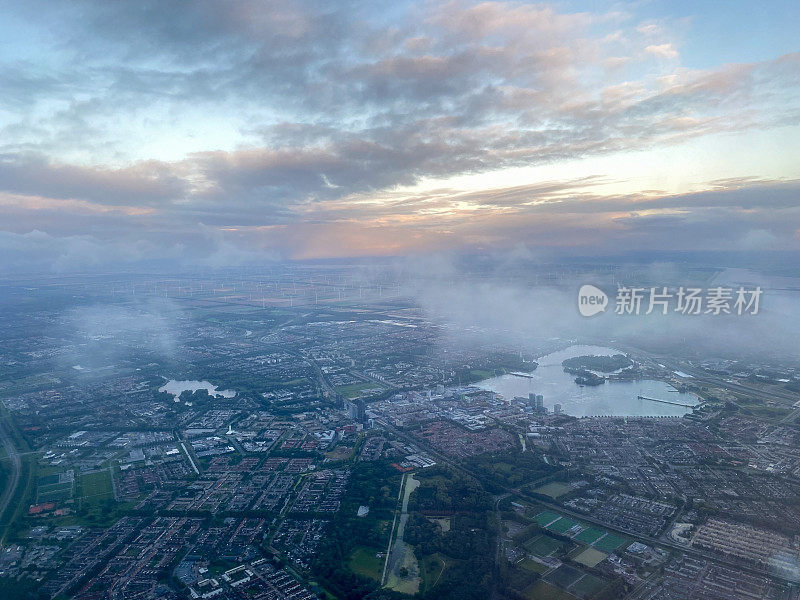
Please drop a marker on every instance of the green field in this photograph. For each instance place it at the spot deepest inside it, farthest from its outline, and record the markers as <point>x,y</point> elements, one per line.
<point>364,561</point>
<point>609,543</point>
<point>587,586</point>
<point>96,486</point>
<point>564,576</point>
<point>48,479</point>
<point>546,517</point>
<point>57,492</point>
<point>543,545</point>
<point>431,568</point>
<point>590,557</point>
<point>544,591</point>
<point>588,536</point>
<point>562,525</point>
<point>531,566</point>
<point>554,489</point>
<point>480,374</point>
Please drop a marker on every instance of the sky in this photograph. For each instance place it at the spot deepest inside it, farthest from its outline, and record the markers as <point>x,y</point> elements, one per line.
<point>229,133</point>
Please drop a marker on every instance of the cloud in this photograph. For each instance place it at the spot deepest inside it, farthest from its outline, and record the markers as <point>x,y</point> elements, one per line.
<point>662,51</point>
<point>145,183</point>
<point>515,302</point>
<point>101,335</point>
<point>271,119</point>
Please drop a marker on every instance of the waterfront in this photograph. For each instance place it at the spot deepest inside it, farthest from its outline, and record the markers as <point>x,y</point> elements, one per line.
<point>617,398</point>
<point>175,388</point>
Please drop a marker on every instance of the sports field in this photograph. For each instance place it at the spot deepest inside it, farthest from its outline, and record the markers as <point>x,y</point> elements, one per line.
<point>531,566</point>
<point>563,576</point>
<point>562,525</point>
<point>609,543</point>
<point>546,517</point>
<point>588,536</point>
<point>96,486</point>
<point>587,586</point>
<point>544,591</point>
<point>543,545</point>
<point>590,557</point>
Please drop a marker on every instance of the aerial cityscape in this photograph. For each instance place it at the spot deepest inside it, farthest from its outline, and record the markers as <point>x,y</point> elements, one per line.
<point>312,431</point>
<point>399,300</point>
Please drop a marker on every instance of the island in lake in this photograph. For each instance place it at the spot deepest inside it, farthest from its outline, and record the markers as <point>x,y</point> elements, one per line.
<point>586,368</point>
<point>602,364</point>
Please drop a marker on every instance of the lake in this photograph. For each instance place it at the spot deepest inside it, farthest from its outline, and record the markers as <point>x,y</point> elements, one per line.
<point>613,398</point>
<point>175,388</point>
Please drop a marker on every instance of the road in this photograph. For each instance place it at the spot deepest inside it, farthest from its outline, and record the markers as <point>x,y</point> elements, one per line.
<point>402,555</point>
<point>187,451</point>
<point>391,533</point>
<point>13,482</point>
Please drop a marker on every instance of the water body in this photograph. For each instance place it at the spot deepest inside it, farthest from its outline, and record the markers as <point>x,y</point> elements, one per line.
<point>175,388</point>
<point>613,398</point>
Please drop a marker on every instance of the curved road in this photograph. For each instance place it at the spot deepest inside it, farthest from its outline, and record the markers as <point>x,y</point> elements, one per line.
<point>11,487</point>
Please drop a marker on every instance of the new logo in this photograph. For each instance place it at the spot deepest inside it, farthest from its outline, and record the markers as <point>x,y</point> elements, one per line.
<point>591,300</point>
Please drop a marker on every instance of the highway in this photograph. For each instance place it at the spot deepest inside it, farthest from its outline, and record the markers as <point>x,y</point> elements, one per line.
<point>16,467</point>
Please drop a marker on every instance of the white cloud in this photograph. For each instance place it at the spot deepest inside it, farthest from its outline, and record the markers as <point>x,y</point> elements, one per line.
<point>662,51</point>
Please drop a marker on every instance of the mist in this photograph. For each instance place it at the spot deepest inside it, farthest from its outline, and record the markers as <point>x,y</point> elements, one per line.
<point>104,334</point>
<point>520,303</point>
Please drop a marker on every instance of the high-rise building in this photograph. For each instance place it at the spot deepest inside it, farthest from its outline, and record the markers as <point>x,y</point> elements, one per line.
<point>352,409</point>
<point>361,411</point>
<point>537,401</point>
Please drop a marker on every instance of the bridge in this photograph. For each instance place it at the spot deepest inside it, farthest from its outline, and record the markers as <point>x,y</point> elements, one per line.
<point>666,401</point>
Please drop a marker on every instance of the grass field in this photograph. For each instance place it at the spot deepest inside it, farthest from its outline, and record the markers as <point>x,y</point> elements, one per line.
<point>96,486</point>
<point>564,576</point>
<point>609,543</point>
<point>544,591</point>
<point>543,545</point>
<point>554,489</point>
<point>48,479</point>
<point>562,525</point>
<point>546,517</point>
<point>430,569</point>
<point>340,453</point>
<point>588,536</point>
<point>480,374</point>
<point>590,557</point>
<point>357,390</point>
<point>531,566</point>
<point>520,579</point>
<point>57,492</point>
<point>587,586</point>
<point>364,561</point>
